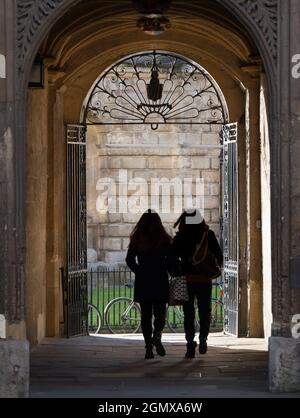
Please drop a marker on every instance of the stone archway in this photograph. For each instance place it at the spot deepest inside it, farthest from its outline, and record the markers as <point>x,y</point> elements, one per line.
<point>71,115</point>
<point>34,21</point>
<point>69,97</point>
<point>260,20</point>
<point>74,88</point>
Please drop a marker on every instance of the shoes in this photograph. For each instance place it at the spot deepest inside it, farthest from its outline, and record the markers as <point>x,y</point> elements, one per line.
<point>156,341</point>
<point>202,345</point>
<point>190,350</point>
<point>149,353</point>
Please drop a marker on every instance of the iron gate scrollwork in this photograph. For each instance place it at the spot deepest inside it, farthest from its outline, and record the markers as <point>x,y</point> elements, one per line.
<point>230,229</point>
<point>155,88</point>
<point>76,277</point>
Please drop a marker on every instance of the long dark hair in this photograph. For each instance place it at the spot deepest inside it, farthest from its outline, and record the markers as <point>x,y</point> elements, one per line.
<point>149,232</point>
<point>191,225</point>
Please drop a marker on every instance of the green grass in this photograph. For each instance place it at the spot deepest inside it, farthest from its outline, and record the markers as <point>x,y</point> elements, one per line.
<point>102,296</point>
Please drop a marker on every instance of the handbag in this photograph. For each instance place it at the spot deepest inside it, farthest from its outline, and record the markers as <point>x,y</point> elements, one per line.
<point>178,291</point>
<point>204,260</point>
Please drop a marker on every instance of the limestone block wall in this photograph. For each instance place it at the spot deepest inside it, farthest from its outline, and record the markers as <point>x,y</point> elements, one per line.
<point>141,155</point>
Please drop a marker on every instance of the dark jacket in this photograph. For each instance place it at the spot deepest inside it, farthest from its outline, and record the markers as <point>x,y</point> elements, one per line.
<point>184,245</point>
<point>151,272</point>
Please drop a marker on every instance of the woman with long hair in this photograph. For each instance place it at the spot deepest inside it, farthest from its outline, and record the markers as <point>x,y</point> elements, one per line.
<point>191,229</point>
<point>149,256</point>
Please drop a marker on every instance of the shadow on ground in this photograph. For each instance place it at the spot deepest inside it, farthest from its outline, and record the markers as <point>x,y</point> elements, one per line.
<point>113,366</point>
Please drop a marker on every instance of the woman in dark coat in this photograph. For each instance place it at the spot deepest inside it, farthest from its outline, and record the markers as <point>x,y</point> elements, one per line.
<point>149,256</point>
<point>191,227</point>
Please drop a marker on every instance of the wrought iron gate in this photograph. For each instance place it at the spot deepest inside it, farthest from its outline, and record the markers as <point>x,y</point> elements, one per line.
<point>230,229</point>
<point>76,277</point>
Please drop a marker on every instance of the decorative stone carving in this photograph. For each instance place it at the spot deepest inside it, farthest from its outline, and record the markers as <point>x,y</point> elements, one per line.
<point>264,14</point>
<point>32,14</point>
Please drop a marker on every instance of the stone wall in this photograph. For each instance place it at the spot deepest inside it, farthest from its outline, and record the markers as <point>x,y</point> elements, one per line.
<point>171,151</point>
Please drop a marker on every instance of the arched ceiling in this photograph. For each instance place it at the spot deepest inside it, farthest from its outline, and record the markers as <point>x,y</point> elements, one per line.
<point>97,33</point>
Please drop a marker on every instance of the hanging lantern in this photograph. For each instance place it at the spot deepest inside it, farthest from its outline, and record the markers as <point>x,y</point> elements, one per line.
<point>154,88</point>
<point>153,22</point>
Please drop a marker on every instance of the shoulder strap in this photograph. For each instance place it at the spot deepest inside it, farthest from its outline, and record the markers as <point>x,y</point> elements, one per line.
<point>204,243</point>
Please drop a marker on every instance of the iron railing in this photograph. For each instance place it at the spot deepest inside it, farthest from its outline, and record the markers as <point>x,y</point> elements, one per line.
<point>106,284</point>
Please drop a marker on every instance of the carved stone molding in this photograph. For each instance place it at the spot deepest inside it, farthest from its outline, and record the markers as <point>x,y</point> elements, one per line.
<point>264,13</point>
<point>32,15</point>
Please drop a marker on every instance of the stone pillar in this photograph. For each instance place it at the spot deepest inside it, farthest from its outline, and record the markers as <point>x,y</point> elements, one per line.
<point>295,156</point>
<point>56,206</point>
<point>254,249</point>
<point>14,349</point>
<point>266,224</point>
<point>37,211</point>
<point>284,349</point>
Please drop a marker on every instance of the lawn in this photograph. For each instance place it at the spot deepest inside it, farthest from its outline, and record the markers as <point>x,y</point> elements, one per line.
<point>100,297</point>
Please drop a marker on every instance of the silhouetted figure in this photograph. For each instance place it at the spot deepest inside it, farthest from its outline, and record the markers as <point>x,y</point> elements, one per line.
<point>189,235</point>
<point>149,257</point>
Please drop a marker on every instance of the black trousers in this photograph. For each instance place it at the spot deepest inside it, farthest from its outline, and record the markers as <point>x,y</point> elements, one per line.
<point>148,308</point>
<point>202,292</point>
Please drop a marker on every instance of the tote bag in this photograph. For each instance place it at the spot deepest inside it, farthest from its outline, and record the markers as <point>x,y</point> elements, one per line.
<point>178,291</point>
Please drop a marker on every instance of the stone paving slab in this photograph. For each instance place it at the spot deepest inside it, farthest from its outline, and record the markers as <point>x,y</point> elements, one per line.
<point>114,366</point>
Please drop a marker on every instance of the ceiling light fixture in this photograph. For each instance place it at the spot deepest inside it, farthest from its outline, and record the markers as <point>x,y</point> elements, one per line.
<point>152,20</point>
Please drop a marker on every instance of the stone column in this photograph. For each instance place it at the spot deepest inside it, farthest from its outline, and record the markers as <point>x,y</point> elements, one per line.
<point>254,249</point>
<point>284,349</point>
<point>14,349</point>
<point>295,156</point>
<point>37,211</point>
<point>56,206</point>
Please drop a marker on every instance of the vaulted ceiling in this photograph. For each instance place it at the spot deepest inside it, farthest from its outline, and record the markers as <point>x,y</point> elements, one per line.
<point>97,33</point>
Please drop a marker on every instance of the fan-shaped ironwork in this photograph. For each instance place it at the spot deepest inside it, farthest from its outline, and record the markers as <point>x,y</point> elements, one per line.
<point>155,88</point>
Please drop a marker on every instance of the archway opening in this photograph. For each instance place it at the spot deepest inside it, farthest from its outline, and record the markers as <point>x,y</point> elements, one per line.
<point>70,76</point>
<point>170,163</point>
